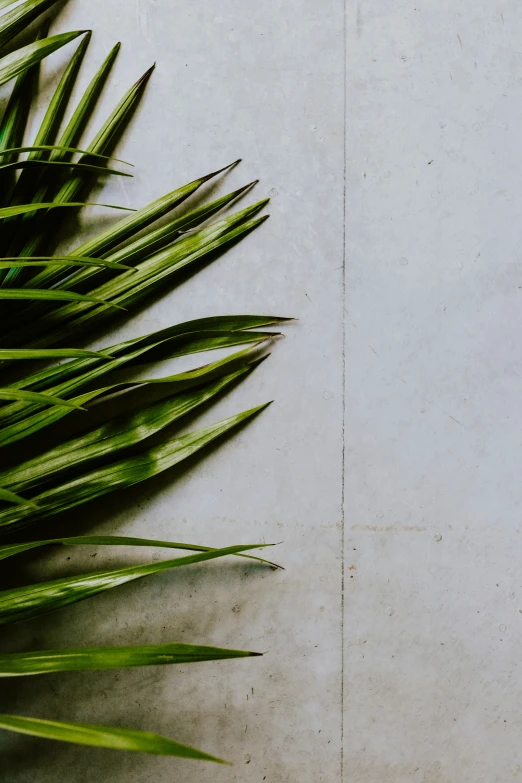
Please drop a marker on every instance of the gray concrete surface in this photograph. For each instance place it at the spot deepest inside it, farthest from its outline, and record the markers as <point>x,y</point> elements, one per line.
<point>389,463</point>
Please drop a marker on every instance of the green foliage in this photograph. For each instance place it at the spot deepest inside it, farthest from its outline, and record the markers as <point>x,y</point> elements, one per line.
<point>47,299</point>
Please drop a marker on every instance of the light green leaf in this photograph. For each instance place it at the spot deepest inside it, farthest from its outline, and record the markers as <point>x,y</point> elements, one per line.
<point>99,658</point>
<point>102,737</point>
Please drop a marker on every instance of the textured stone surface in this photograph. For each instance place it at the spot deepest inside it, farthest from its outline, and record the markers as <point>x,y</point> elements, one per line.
<point>427,572</point>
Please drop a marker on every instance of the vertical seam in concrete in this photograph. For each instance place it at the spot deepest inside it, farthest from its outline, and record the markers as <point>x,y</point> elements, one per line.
<point>343,321</point>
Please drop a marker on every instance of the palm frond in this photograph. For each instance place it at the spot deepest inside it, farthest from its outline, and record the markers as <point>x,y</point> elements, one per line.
<point>47,301</point>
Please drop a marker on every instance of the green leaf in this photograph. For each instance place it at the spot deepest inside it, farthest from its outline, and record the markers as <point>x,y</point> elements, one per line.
<point>21,209</point>
<point>13,22</point>
<point>10,550</point>
<point>14,121</point>
<point>32,163</point>
<point>122,473</point>
<point>57,148</point>
<point>117,434</point>
<point>99,658</point>
<point>36,397</point>
<point>49,353</point>
<point>7,262</point>
<point>24,603</point>
<point>51,296</point>
<point>128,287</point>
<point>127,227</point>
<point>27,186</point>
<point>12,497</point>
<point>106,137</point>
<point>13,64</point>
<point>45,378</point>
<point>153,241</point>
<point>23,421</point>
<point>102,737</point>
<point>50,124</point>
<point>86,106</point>
<point>19,415</point>
<point>44,418</point>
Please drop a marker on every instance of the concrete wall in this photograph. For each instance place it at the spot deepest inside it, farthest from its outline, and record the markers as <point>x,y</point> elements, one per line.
<point>387,133</point>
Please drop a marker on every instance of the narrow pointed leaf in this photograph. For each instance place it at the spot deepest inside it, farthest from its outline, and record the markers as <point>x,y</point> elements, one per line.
<point>127,227</point>
<point>34,422</point>
<point>102,737</point>
<point>14,354</point>
<point>7,262</point>
<point>45,378</point>
<point>32,163</point>
<point>106,136</point>
<point>14,122</point>
<point>154,240</point>
<point>86,106</point>
<point>100,658</point>
<point>52,119</point>
<point>24,420</point>
<point>24,603</point>
<point>51,296</point>
<point>130,286</point>
<point>19,415</point>
<point>117,434</point>
<point>36,397</point>
<point>13,22</point>
<point>13,64</point>
<point>58,148</point>
<point>12,497</point>
<point>123,473</point>
<point>10,550</point>
<point>21,209</point>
